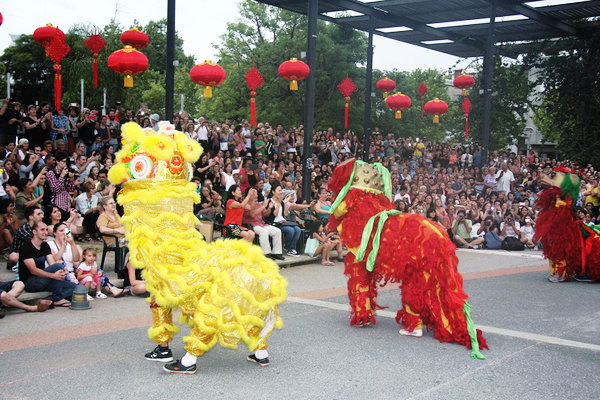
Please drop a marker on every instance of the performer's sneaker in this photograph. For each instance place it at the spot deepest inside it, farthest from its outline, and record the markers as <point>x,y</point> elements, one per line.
<point>178,368</point>
<point>160,355</point>
<point>415,333</point>
<point>556,279</point>
<point>263,362</point>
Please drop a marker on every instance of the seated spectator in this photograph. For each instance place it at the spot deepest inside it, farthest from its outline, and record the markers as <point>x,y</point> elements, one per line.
<point>278,212</point>
<point>210,202</point>
<point>25,198</point>
<point>10,290</point>
<point>132,280</point>
<point>53,216</point>
<point>33,256</point>
<point>9,225</point>
<point>510,227</point>
<point>527,232</point>
<point>87,206</point>
<point>65,251</point>
<point>489,230</point>
<point>323,203</point>
<point>24,233</point>
<point>461,231</point>
<point>325,244</point>
<point>109,221</point>
<point>235,212</point>
<point>92,277</point>
<point>253,215</point>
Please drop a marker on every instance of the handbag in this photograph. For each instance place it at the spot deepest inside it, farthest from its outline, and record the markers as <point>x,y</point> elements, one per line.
<point>311,246</point>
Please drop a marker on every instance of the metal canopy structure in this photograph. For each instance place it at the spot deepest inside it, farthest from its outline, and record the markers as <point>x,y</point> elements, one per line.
<point>457,27</point>
<point>463,28</point>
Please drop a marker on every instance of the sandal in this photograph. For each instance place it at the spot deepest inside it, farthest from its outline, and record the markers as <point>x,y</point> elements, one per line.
<point>327,263</point>
<point>62,303</point>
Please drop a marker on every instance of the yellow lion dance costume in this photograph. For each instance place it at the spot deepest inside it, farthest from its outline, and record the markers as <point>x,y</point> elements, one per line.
<point>227,291</point>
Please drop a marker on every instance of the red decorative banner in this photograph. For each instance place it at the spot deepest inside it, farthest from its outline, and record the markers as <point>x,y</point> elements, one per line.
<point>254,80</point>
<point>346,88</point>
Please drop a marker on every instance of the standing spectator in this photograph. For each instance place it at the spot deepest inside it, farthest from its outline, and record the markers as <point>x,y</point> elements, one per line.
<point>60,126</point>
<point>505,179</point>
<point>114,129</point>
<point>37,277</point>
<point>34,127</point>
<point>60,184</point>
<point>86,124</point>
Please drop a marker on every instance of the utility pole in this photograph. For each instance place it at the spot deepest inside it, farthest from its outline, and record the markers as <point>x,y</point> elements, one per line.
<point>170,73</point>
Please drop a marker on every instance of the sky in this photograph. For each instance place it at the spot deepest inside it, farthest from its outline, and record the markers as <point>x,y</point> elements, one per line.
<point>199,22</point>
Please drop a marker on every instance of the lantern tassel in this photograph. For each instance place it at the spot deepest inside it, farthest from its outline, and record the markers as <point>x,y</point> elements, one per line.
<point>436,119</point>
<point>464,92</point>
<point>385,94</point>
<point>207,91</point>
<point>346,114</point>
<point>466,126</point>
<point>398,114</point>
<point>57,90</point>
<point>95,68</point>
<point>293,85</point>
<point>253,111</point>
<point>128,82</point>
<point>422,105</point>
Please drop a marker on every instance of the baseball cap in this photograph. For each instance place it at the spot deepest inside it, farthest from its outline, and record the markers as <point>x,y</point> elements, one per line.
<point>155,117</point>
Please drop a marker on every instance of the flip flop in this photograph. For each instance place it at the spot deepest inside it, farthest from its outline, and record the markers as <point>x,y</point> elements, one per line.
<point>65,304</point>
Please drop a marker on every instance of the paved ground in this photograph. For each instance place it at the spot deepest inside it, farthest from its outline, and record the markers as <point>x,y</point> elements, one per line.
<point>544,340</point>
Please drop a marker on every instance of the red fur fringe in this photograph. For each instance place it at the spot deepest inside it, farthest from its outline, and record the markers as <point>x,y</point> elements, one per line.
<point>416,252</point>
<point>341,176</point>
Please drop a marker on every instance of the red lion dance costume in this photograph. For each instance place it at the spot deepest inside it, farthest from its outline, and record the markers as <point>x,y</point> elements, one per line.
<point>571,247</point>
<point>386,246</point>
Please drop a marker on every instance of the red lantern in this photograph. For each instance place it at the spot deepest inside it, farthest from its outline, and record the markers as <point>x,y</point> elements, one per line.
<point>57,49</point>
<point>128,61</point>
<point>45,34</point>
<point>95,43</point>
<point>385,85</point>
<point>346,88</point>
<point>135,38</point>
<point>1,19</point>
<point>208,75</point>
<point>254,80</point>
<point>466,106</point>
<point>293,71</point>
<point>464,82</point>
<point>422,89</point>
<point>398,102</point>
<point>436,107</point>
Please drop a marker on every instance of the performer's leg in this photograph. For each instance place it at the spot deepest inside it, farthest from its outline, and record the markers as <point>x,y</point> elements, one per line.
<point>261,356</point>
<point>198,343</point>
<point>558,271</point>
<point>362,292</point>
<point>411,321</point>
<point>161,332</point>
<point>409,316</point>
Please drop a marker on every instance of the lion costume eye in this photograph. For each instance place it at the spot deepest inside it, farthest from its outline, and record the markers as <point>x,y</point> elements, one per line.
<point>140,166</point>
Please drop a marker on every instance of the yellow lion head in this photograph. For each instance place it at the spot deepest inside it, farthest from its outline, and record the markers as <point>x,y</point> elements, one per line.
<point>165,154</point>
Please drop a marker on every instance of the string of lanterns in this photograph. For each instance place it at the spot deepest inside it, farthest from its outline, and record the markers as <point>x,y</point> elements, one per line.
<point>130,61</point>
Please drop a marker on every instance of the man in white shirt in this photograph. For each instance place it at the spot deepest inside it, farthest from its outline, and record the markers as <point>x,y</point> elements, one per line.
<point>504,179</point>
<point>202,132</point>
<point>247,135</point>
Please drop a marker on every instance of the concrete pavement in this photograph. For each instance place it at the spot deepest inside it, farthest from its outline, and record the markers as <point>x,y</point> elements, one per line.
<point>544,343</point>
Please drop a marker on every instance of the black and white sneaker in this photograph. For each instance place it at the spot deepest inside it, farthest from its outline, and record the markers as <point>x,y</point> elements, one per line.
<point>178,368</point>
<point>160,354</point>
<point>263,362</point>
<point>293,253</point>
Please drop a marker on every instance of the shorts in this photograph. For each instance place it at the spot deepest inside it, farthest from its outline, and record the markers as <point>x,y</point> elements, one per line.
<point>6,286</point>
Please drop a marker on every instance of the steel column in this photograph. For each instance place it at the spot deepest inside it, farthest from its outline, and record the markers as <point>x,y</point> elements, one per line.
<point>170,71</point>
<point>368,90</point>
<point>488,76</point>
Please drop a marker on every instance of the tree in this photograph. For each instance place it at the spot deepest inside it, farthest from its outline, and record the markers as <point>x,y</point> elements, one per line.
<point>567,74</point>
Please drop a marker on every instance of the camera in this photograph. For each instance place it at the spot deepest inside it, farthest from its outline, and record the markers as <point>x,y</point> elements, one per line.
<point>67,233</point>
<point>487,223</point>
<point>253,167</point>
<point>509,220</point>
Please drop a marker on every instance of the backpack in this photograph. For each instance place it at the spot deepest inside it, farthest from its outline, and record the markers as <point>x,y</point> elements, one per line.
<point>511,243</point>
<point>493,241</point>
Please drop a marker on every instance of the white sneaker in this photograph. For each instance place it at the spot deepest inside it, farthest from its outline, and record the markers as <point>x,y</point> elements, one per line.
<point>89,298</point>
<point>556,279</point>
<point>101,295</point>
<point>415,333</point>
<point>293,253</point>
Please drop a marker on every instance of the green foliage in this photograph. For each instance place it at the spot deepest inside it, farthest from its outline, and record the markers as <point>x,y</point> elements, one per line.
<point>566,110</point>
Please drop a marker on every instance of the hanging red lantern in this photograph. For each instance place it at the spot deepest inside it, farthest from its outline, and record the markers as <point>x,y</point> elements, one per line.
<point>398,102</point>
<point>436,107</point>
<point>128,61</point>
<point>385,85</point>
<point>95,43</point>
<point>57,49</point>
<point>135,38</point>
<point>45,34</point>
<point>422,89</point>
<point>346,88</point>
<point>254,80</point>
<point>208,75</point>
<point>464,82</point>
<point>466,106</point>
<point>1,19</point>
<point>293,71</point>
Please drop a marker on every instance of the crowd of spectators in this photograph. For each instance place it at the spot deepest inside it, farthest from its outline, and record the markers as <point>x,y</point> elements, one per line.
<point>57,162</point>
